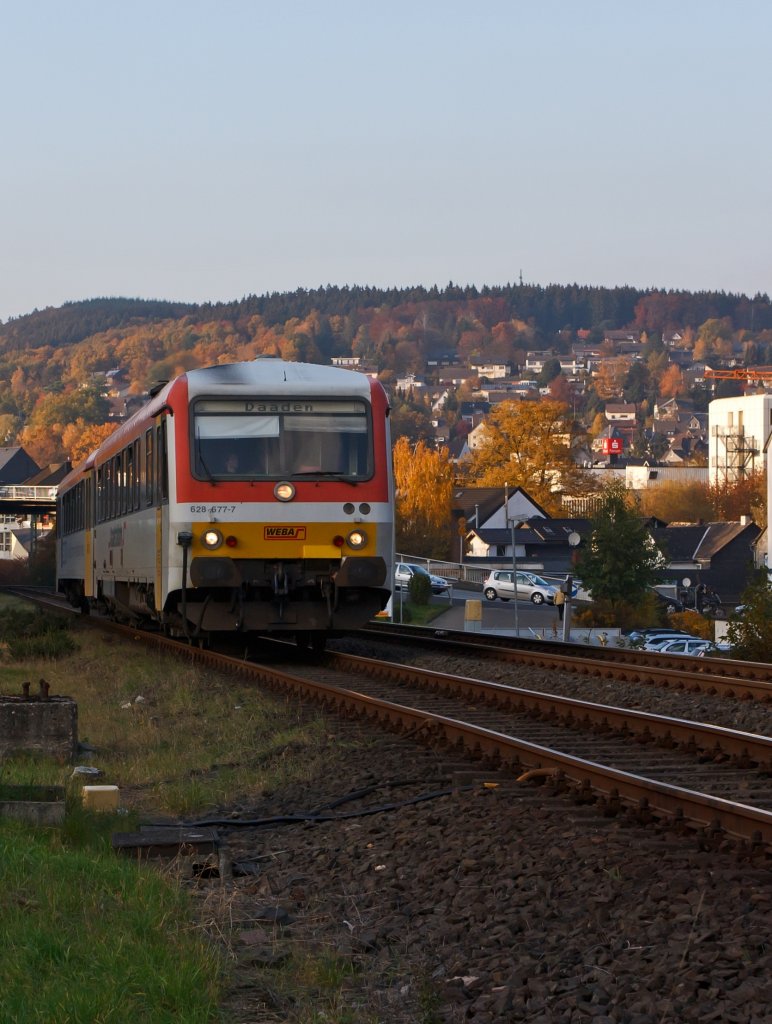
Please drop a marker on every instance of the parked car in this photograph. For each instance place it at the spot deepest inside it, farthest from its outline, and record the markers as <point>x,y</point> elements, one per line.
<point>529,587</point>
<point>655,634</point>
<point>670,604</point>
<point>405,571</point>
<point>683,645</point>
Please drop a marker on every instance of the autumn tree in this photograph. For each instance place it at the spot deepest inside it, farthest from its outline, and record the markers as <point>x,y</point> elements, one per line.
<point>528,445</point>
<point>746,495</point>
<point>79,439</point>
<point>423,479</point>
<point>610,379</point>
<point>671,383</point>
<point>674,502</point>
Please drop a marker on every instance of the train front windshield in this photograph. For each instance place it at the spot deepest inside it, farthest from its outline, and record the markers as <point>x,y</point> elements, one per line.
<point>262,439</point>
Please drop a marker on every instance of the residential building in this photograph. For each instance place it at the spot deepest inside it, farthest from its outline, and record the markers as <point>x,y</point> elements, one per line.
<point>720,555</point>
<point>16,465</point>
<point>739,433</point>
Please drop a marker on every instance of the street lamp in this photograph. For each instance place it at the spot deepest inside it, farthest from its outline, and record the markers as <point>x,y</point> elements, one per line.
<point>573,541</point>
<point>514,574</point>
<point>513,522</point>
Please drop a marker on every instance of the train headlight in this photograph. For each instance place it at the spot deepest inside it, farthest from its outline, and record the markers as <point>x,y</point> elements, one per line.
<point>211,539</point>
<point>356,539</point>
<point>284,491</point>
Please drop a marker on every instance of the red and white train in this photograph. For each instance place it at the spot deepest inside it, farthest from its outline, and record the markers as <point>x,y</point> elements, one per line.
<point>251,497</point>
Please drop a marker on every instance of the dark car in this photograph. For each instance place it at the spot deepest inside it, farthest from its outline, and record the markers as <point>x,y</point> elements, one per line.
<point>670,604</point>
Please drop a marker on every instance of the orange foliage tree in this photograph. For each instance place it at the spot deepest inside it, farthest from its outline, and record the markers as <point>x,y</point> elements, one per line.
<point>423,479</point>
<point>79,439</point>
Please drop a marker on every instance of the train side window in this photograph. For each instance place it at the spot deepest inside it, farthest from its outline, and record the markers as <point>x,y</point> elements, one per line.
<point>88,512</point>
<point>108,489</point>
<point>100,475</point>
<point>149,467</point>
<point>128,502</point>
<point>120,483</point>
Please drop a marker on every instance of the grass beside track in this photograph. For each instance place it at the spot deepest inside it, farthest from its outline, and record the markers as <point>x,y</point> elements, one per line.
<point>87,936</point>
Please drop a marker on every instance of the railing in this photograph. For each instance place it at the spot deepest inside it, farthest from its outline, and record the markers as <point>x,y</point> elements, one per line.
<point>476,575</point>
<point>24,492</point>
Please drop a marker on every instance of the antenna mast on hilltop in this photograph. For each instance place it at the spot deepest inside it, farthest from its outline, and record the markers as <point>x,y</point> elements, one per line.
<point>521,277</point>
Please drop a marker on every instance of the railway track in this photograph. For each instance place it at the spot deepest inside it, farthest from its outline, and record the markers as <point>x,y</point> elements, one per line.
<point>701,777</point>
<point>715,814</point>
<point>744,680</point>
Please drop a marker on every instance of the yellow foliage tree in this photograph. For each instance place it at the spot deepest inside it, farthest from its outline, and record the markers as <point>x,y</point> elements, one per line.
<point>79,439</point>
<point>423,479</point>
<point>528,445</point>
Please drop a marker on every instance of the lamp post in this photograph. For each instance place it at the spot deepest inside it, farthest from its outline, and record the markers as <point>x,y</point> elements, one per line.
<point>514,575</point>
<point>573,541</point>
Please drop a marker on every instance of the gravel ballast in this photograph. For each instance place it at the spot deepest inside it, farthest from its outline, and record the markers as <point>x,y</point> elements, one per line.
<point>496,901</point>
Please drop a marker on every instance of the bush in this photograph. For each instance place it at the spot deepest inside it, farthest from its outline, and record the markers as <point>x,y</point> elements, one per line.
<point>420,589</point>
<point>606,612</point>
<point>692,622</point>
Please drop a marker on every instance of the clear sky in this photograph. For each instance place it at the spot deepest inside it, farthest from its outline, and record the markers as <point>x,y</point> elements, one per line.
<point>195,151</point>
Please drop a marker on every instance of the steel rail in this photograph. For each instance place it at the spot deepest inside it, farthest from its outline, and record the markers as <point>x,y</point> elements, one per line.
<point>753,680</point>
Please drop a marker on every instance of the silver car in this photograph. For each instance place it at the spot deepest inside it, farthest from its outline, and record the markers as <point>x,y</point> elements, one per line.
<point>530,587</point>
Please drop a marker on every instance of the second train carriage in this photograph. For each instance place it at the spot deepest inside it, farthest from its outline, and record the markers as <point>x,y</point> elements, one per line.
<point>253,496</point>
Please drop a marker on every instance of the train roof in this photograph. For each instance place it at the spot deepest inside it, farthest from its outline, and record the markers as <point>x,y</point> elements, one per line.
<point>277,375</point>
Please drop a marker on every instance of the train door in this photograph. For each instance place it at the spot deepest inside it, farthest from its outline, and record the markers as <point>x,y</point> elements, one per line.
<point>89,526</point>
<point>160,463</point>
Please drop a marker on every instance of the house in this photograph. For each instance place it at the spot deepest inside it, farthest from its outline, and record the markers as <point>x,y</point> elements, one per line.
<point>472,411</point>
<point>534,361</point>
<point>16,466</point>
<point>619,337</point>
<point>620,413</point>
<point>347,362</point>
<point>455,376</point>
<point>409,383</point>
<point>720,555</point>
<point>492,371</point>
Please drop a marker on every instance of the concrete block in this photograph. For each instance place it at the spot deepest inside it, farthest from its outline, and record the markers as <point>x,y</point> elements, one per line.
<point>100,798</point>
<point>46,726</point>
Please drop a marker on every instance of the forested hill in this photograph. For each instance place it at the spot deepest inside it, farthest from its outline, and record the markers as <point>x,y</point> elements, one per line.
<point>546,309</point>
<point>55,364</point>
<point>75,321</point>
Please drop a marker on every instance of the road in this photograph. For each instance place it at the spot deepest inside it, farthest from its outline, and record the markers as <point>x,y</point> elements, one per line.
<point>497,616</point>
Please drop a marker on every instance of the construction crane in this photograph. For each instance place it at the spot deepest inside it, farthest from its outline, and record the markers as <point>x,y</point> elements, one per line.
<point>749,373</point>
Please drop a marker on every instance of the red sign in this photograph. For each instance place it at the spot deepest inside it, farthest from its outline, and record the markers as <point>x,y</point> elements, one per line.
<point>613,445</point>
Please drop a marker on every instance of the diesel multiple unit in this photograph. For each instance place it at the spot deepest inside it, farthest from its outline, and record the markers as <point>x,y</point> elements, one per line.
<point>253,497</point>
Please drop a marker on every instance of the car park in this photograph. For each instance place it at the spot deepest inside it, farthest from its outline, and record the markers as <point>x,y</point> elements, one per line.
<point>405,571</point>
<point>530,587</point>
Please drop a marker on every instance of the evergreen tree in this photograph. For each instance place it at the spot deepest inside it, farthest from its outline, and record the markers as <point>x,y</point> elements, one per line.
<point>751,634</point>
<point>620,560</point>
